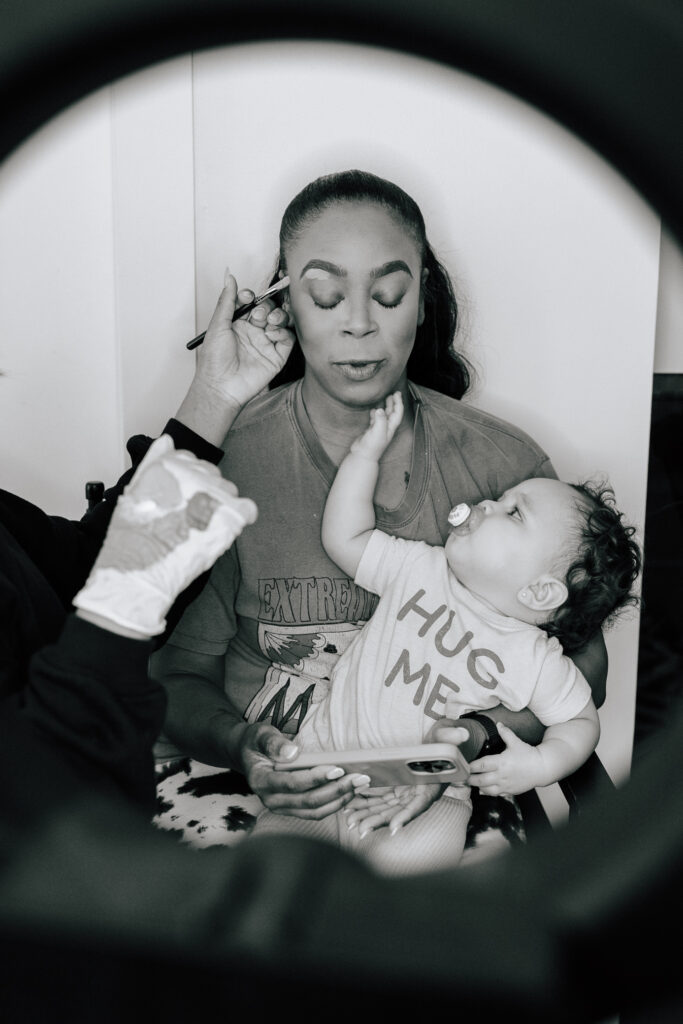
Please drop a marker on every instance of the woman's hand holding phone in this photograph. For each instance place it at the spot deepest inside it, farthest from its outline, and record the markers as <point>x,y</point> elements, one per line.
<point>395,803</point>
<point>308,793</point>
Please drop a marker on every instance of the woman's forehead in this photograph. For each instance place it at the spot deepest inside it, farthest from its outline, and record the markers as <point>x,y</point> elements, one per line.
<point>348,232</point>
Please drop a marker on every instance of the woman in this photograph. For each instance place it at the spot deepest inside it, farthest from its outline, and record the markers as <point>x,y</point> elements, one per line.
<point>373,312</point>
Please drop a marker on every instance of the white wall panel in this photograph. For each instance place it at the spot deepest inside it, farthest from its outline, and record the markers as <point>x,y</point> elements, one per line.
<point>153,202</point>
<point>59,398</point>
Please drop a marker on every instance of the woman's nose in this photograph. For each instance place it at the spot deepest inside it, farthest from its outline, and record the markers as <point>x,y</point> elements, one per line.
<point>359,320</point>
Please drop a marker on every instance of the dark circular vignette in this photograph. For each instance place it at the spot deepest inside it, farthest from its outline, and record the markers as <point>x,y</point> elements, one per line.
<point>612,72</point>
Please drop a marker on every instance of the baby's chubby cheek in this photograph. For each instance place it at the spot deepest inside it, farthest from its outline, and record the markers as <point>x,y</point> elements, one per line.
<point>463,561</point>
<point>453,554</point>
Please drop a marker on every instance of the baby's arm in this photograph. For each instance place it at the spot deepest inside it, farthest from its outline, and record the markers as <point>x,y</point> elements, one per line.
<point>349,516</point>
<point>521,767</point>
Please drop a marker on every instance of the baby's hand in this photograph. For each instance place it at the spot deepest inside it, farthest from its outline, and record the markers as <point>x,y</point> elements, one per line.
<point>383,425</point>
<point>517,770</point>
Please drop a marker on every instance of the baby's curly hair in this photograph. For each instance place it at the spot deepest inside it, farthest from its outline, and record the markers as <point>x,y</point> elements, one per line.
<point>600,579</point>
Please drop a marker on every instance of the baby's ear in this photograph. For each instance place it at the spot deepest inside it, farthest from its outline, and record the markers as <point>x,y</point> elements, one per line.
<point>545,594</point>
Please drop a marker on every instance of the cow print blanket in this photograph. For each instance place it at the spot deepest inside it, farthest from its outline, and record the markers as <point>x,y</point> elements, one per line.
<point>209,806</point>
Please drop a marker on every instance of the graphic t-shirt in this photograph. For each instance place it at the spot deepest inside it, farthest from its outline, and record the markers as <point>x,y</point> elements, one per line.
<point>433,648</point>
<point>276,608</point>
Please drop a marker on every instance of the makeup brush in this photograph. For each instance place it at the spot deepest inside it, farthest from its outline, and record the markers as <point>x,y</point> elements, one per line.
<point>247,308</point>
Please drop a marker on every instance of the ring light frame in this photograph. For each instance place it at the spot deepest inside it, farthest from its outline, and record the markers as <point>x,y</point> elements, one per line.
<point>568,930</point>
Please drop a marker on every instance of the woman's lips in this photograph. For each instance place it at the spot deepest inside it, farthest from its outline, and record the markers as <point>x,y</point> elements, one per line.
<point>360,370</point>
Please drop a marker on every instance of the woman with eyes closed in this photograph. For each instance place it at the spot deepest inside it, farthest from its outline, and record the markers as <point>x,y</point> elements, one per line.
<point>373,312</point>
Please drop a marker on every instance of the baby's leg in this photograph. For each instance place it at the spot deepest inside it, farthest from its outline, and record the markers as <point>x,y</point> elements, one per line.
<point>432,842</point>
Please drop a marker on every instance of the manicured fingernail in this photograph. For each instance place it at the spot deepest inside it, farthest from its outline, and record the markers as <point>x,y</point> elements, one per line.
<point>288,750</point>
<point>364,833</point>
<point>360,780</point>
<point>350,825</point>
<point>335,773</point>
<point>395,829</point>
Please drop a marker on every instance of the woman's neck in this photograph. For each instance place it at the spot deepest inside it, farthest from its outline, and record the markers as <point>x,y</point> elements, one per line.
<point>337,424</point>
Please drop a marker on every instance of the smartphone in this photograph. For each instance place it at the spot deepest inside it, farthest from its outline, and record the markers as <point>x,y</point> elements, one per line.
<point>425,764</point>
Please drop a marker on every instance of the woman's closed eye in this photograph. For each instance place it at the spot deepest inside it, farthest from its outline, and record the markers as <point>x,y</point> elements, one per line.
<point>327,303</point>
<point>326,295</point>
<point>514,512</point>
<point>389,301</point>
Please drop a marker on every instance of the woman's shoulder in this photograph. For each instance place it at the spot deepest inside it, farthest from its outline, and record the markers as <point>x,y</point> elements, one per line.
<point>458,419</point>
<point>263,414</point>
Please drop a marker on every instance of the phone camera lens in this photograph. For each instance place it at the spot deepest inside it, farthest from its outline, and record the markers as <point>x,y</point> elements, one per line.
<point>430,767</point>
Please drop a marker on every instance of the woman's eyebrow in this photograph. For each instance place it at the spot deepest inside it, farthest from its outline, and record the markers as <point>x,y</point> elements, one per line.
<point>331,268</point>
<point>390,268</point>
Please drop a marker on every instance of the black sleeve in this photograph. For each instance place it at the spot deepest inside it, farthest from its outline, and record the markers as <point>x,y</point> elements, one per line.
<point>64,550</point>
<point>85,722</point>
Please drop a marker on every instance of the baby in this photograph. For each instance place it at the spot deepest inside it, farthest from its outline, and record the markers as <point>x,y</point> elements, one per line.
<point>478,622</point>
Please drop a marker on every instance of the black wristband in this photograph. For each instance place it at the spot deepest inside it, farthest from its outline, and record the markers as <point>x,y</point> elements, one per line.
<point>494,743</point>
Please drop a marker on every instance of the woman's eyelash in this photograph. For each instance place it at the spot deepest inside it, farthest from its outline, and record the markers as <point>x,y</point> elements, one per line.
<point>384,305</point>
<point>514,511</point>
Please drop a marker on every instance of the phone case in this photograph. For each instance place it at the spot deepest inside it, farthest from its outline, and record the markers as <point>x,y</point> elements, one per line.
<point>425,764</point>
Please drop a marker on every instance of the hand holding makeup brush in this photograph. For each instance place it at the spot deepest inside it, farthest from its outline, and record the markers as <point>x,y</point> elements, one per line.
<point>236,360</point>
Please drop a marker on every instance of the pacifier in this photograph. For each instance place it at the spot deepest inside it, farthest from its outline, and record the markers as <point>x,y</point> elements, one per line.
<point>458,515</point>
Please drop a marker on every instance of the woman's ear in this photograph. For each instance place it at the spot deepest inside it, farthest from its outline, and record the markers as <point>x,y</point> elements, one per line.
<point>421,308</point>
<point>543,595</point>
<point>287,306</point>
